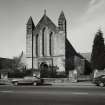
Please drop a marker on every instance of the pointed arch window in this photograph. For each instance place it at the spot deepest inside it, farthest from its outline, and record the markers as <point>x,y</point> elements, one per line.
<point>50,43</point>
<point>37,45</point>
<point>43,35</point>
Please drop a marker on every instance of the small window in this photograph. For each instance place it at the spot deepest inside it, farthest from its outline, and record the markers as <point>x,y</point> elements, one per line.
<point>50,43</point>
<point>37,44</point>
<point>43,35</point>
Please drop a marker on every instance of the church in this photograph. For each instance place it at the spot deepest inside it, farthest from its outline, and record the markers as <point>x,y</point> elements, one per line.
<point>47,47</point>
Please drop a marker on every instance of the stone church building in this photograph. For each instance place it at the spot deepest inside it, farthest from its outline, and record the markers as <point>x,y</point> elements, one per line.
<point>47,46</point>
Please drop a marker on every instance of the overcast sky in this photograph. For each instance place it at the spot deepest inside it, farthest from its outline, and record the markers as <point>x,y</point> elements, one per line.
<point>84,18</point>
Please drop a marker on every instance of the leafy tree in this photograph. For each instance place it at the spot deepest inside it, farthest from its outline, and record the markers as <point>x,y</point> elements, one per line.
<point>17,64</point>
<point>98,52</point>
<point>17,67</point>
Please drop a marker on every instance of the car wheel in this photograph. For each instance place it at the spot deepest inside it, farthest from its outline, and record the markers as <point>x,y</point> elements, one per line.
<point>101,84</point>
<point>97,84</point>
<point>34,83</point>
<point>15,83</point>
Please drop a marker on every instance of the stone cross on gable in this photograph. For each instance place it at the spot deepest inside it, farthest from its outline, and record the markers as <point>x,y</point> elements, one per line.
<point>44,11</point>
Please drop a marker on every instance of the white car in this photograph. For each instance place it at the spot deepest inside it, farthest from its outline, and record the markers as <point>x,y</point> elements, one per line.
<point>27,80</point>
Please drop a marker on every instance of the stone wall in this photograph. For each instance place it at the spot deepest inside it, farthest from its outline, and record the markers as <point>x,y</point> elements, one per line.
<point>59,62</point>
<point>59,44</point>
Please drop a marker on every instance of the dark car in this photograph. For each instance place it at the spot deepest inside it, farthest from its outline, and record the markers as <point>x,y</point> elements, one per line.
<point>100,81</point>
<point>27,80</point>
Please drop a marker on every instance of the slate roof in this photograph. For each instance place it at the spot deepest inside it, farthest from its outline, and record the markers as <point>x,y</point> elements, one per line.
<point>70,51</point>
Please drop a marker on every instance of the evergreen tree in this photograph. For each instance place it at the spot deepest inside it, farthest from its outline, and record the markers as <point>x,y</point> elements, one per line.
<point>98,52</point>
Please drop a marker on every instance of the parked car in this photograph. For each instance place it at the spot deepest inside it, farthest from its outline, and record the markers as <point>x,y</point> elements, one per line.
<point>99,81</point>
<point>27,80</point>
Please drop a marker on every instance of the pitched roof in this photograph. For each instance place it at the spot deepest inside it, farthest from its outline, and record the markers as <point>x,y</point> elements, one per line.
<point>45,20</point>
<point>70,51</point>
<point>87,56</point>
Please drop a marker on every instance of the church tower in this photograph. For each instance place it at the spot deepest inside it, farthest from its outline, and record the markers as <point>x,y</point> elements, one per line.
<point>62,22</point>
<point>29,39</point>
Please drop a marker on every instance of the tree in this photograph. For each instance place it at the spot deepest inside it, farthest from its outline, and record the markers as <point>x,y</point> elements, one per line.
<point>18,68</point>
<point>17,64</point>
<point>98,52</point>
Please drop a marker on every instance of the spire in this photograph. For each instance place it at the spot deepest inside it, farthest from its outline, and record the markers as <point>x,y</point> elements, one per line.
<point>62,16</point>
<point>62,22</point>
<point>30,21</point>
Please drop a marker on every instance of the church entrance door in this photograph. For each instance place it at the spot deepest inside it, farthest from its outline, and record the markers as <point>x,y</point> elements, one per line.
<point>44,70</point>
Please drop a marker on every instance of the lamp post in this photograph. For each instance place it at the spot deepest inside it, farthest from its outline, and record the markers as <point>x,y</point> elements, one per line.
<point>32,52</point>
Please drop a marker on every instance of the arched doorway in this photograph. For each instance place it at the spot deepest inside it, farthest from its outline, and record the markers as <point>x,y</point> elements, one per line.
<point>44,70</point>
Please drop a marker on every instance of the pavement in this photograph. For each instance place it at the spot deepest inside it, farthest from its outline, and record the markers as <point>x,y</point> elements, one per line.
<point>55,84</point>
<point>72,84</point>
<point>5,82</point>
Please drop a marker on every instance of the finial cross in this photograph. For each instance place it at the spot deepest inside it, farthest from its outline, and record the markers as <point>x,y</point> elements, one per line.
<point>45,11</point>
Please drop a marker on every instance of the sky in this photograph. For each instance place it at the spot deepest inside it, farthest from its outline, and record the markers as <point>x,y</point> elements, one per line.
<point>84,18</point>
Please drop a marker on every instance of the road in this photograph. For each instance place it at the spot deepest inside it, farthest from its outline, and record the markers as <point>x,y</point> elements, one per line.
<point>49,95</point>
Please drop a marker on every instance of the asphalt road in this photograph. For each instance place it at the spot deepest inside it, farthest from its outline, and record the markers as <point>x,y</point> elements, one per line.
<point>49,95</point>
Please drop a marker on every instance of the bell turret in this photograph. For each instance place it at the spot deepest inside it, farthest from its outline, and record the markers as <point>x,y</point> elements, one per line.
<point>30,25</point>
<point>62,22</point>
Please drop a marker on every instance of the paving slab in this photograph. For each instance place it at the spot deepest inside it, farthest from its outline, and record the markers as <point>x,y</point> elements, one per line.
<point>86,84</point>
